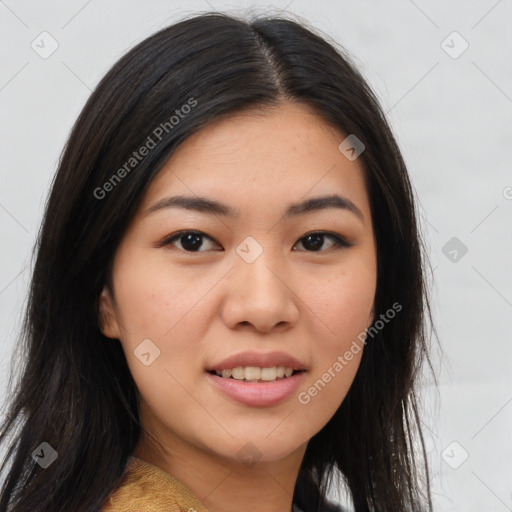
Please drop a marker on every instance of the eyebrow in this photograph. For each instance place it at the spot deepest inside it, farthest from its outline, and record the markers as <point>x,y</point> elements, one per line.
<point>212,207</point>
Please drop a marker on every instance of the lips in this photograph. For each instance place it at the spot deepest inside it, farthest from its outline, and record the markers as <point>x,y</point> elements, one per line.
<point>258,359</point>
<point>257,393</point>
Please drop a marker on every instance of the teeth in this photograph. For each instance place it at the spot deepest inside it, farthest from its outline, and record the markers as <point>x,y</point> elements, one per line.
<point>238,373</point>
<point>269,373</point>
<point>254,373</point>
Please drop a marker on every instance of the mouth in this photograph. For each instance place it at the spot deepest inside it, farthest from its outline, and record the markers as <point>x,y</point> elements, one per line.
<point>256,373</point>
<point>257,379</point>
<point>254,392</point>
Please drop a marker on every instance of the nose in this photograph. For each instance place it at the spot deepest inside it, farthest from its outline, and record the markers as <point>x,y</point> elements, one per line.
<point>260,296</point>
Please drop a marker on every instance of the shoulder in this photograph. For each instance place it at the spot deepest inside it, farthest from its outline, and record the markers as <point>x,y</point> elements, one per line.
<point>144,486</point>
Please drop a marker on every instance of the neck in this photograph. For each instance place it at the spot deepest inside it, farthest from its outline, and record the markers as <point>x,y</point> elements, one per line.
<point>225,485</point>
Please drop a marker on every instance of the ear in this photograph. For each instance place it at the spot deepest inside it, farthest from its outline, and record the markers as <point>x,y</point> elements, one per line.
<point>107,317</point>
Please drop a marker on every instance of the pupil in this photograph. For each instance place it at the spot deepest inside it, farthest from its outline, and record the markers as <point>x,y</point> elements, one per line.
<point>194,245</point>
<point>319,240</point>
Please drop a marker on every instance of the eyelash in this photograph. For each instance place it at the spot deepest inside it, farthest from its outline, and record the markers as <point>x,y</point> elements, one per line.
<point>340,242</point>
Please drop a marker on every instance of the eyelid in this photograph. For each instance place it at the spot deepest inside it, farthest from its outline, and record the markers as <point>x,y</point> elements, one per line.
<point>340,242</point>
<point>175,236</point>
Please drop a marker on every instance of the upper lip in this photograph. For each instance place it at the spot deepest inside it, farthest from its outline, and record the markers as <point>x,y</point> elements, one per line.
<point>259,359</point>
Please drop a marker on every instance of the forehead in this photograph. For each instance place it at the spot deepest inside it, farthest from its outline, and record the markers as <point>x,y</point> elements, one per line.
<point>258,158</point>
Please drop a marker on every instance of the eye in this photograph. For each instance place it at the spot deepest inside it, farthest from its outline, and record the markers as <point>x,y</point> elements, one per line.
<point>191,241</point>
<point>316,241</point>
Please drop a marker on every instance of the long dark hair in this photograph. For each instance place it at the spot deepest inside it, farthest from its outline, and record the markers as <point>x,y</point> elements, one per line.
<point>75,391</point>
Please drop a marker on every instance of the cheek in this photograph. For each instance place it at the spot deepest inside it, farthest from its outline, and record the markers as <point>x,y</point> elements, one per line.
<point>153,300</point>
<point>336,355</point>
<point>343,305</point>
<point>341,310</point>
<point>165,308</point>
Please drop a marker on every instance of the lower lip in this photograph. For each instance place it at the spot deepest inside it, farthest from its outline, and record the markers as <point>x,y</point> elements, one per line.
<point>258,394</point>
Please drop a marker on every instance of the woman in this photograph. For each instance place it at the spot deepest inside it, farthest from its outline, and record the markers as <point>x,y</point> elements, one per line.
<point>228,305</point>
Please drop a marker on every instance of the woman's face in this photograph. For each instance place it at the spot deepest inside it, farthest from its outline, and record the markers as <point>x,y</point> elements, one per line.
<point>251,284</point>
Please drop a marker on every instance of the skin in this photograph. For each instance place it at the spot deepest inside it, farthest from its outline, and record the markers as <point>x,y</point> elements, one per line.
<point>200,307</point>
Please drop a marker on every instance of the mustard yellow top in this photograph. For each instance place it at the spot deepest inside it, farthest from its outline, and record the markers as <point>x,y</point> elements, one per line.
<point>145,487</point>
<point>148,488</point>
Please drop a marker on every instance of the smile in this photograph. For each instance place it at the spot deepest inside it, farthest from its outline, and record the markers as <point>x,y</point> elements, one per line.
<point>256,393</point>
<point>255,373</point>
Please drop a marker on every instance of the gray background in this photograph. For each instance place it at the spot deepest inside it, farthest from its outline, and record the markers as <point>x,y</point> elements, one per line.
<point>451,113</point>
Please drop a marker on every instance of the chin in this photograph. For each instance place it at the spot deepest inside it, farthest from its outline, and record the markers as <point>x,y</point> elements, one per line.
<point>252,450</point>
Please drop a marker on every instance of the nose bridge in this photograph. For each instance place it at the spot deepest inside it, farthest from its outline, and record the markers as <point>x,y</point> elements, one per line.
<point>259,263</point>
<point>258,291</point>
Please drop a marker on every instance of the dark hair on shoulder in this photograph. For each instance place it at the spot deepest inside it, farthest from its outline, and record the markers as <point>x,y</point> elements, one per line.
<point>75,390</point>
